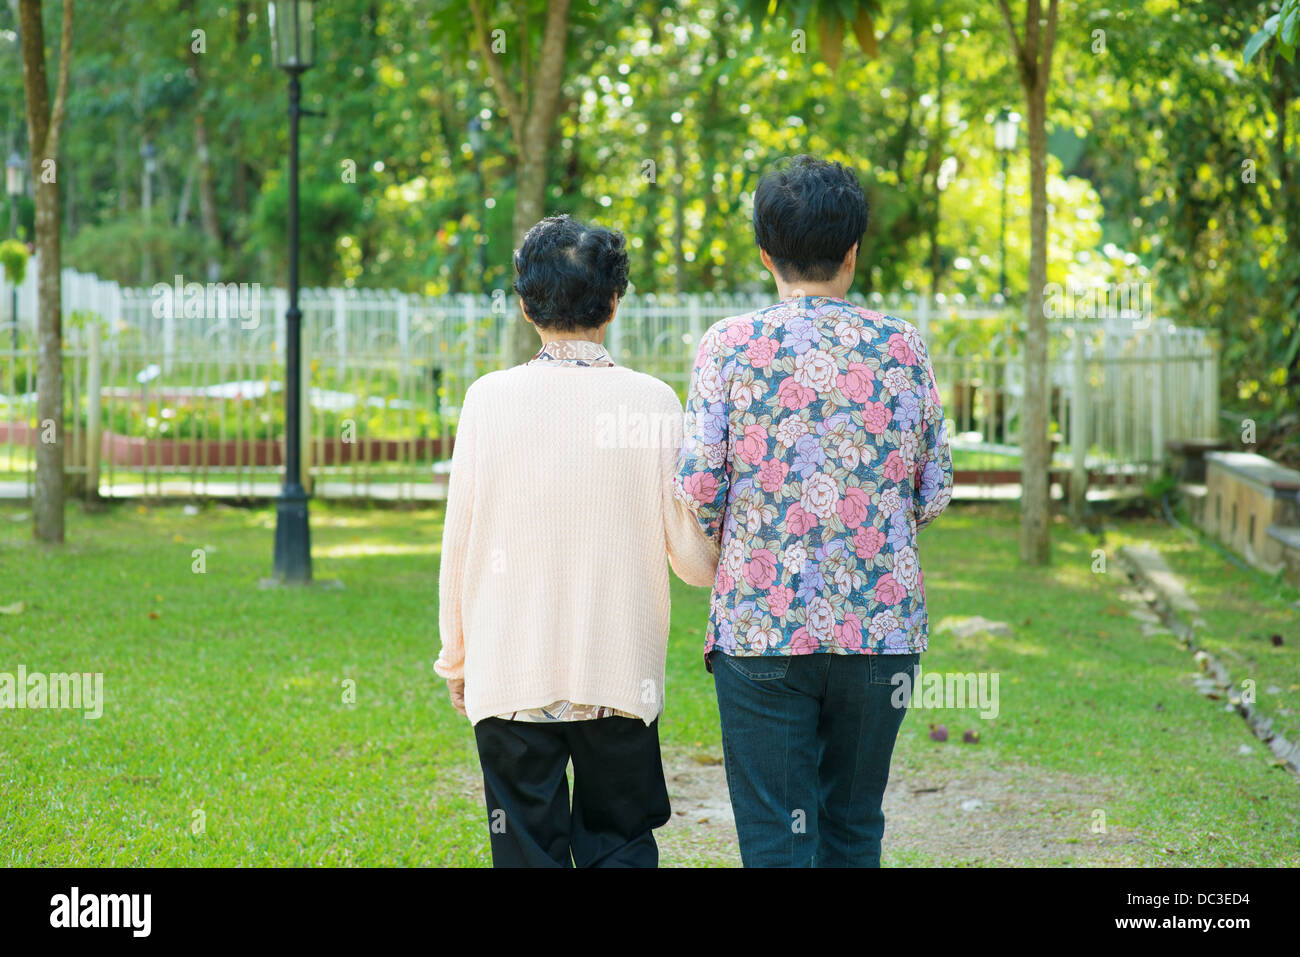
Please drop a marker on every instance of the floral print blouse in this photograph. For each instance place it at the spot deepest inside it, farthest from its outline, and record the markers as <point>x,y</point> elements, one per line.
<point>815,444</point>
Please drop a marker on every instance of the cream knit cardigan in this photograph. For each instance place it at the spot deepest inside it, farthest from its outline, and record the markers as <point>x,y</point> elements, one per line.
<point>560,513</point>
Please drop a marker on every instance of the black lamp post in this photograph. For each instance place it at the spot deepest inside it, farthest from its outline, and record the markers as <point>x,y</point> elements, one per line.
<point>291,51</point>
<point>13,189</point>
<point>1004,139</point>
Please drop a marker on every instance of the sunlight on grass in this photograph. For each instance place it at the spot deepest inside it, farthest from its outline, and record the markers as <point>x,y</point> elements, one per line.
<point>229,700</point>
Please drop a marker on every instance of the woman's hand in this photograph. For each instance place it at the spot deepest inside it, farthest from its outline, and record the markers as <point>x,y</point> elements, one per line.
<point>456,692</point>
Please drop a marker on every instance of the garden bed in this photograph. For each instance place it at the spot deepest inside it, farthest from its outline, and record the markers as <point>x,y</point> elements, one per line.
<point>135,451</point>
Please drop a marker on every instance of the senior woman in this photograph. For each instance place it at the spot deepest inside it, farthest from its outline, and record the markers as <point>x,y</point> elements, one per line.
<point>553,592</point>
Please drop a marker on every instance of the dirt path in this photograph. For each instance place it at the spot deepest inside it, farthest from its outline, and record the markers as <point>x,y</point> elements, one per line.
<point>990,815</point>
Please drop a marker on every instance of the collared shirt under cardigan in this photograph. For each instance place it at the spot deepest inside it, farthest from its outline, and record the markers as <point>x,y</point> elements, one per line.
<point>580,353</point>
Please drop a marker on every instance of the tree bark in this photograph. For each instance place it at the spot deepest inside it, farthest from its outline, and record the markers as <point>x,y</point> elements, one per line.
<point>1034,60</point>
<point>43,126</point>
<point>1283,85</point>
<point>239,189</point>
<point>679,211</point>
<point>1036,453</point>
<point>534,151</point>
<point>532,119</point>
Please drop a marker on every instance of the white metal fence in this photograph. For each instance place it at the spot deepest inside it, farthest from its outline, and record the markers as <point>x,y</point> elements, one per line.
<point>175,389</point>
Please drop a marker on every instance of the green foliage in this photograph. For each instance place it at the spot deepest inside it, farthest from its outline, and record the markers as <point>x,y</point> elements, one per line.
<point>327,212</point>
<point>82,318</point>
<point>26,215</point>
<point>1165,163</point>
<point>1157,489</point>
<point>1282,27</point>
<point>259,420</point>
<point>13,259</point>
<point>118,249</point>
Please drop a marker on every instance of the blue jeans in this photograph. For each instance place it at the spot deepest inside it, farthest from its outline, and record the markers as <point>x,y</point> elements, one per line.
<point>807,741</point>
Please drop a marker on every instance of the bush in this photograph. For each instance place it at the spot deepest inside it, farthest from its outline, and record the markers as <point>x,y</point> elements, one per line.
<point>325,214</point>
<point>116,250</point>
<point>13,257</point>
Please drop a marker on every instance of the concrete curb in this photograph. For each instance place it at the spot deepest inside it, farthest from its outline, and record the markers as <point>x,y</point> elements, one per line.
<point>1164,593</point>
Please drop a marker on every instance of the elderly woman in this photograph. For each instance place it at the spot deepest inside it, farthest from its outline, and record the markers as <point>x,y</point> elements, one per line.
<point>553,594</point>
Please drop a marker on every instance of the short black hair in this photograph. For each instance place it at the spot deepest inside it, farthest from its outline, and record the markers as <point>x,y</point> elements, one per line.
<point>567,272</point>
<point>808,213</point>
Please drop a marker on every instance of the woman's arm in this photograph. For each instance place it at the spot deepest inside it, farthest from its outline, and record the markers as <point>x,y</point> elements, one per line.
<point>933,476</point>
<point>703,473</point>
<point>692,552</point>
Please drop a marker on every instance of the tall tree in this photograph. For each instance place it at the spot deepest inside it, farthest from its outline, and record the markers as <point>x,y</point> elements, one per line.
<point>1033,55</point>
<point>531,105</point>
<point>203,156</point>
<point>44,122</point>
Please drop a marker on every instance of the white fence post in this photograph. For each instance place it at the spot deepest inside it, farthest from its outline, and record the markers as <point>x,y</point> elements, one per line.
<point>341,327</point>
<point>696,320</point>
<point>662,334</point>
<point>281,300</point>
<point>94,411</point>
<point>923,318</point>
<point>1079,425</point>
<point>1158,400</point>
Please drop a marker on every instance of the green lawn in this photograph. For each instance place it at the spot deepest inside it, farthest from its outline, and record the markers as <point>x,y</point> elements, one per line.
<point>1243,611</point>
<point>228,700</point>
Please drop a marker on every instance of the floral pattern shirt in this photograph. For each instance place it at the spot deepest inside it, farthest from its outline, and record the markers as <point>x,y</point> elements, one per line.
<point>815,445</point>
<point>569,352</point>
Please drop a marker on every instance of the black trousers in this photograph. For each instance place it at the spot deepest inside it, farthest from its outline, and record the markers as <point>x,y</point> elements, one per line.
<point>619,795</point>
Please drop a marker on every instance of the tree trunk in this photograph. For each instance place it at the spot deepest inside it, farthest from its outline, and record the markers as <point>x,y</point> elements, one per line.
<point>43,126</point>
<point>1033,56</point>
<point>934,162</point>
<point>207,196</point>
<point>679,212</point>
<point>122,172</point>
<point>48,506</point>
<point>183,204</point>
<point>240,188</point>
<point>532,118</point>
<point>1283,84</point>
<point>203,156</point>
<point>1035,462</point>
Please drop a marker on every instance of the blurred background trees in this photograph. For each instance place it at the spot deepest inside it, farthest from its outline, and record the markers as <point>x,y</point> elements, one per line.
<point>1170,159</point>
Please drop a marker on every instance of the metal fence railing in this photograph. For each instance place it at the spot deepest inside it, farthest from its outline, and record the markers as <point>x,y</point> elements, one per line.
<point>176,389</point>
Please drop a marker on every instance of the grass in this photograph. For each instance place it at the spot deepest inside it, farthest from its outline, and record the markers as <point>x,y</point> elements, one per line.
<point>1084,693</point>
<point>971,460</point>
<point>225,703</point>
<point>1243,611</point>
